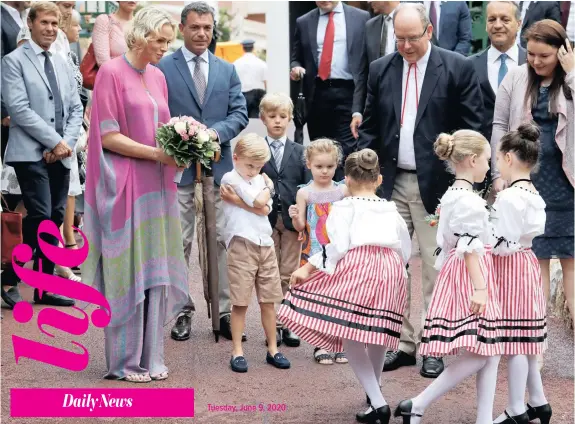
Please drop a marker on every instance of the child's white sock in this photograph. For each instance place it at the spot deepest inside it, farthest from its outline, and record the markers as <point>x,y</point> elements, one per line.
<point>363,369</point>
<point>486,383</point>
<point>534,383</point>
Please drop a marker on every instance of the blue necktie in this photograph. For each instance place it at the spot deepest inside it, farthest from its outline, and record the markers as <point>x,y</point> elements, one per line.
<point>502,68</point>
<point>58,108</point>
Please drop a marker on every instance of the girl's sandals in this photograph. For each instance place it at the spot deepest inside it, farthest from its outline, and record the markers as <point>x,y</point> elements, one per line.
<point>161,376</point>
<point>138,378</point>
<point>340,358</point>
<point>322,356</point>
<point>64,271</point>
<point>74,268</point>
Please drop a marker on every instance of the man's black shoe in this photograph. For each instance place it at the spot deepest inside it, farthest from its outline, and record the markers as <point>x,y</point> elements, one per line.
<point>182,328</point>
<point>432,367</point>
<point>397,359</point>
<point>52,299</point>
<point>226,328</point>
<point>11,296</point>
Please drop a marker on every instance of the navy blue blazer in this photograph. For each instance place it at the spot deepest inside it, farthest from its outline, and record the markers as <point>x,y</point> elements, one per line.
<point>224,108</point>
<point>455,27</point>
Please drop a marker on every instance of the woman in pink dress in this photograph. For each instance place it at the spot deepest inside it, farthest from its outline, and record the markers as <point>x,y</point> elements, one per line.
<point>108,36</point>
<point>132,220</point>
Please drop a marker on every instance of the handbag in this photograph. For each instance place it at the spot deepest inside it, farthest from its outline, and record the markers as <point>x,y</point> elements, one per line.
<point>11,227</point>
<point>89,67</point>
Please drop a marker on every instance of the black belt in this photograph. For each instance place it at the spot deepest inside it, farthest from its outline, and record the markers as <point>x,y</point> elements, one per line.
<point>335,83</point>
<point>409,171</point>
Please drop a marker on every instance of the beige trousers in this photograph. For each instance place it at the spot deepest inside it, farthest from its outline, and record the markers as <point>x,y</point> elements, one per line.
<point>409,204</point>
<point>288,252</point>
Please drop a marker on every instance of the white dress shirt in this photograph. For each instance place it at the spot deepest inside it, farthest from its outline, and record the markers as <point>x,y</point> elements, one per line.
<point>437,5</point>
<point>39,52</point>
<point>252,72</point>
<point>406,156</point>
<point>204,64</point>
<point>494,63</point>
<point>571,23</point>
<point>339,61</point>
<point>390,39</point>
<point>240,222</point>
<point>16,15</point>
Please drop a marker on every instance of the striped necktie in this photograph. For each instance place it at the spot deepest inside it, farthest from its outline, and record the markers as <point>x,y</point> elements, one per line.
<point>199,79</point>
<point>277,152</point>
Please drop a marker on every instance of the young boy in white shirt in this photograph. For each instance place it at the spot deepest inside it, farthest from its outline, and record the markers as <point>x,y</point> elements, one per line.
<point>250,249</point>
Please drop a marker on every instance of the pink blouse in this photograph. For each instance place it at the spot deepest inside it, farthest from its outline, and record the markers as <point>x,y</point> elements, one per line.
<point>108,39</point>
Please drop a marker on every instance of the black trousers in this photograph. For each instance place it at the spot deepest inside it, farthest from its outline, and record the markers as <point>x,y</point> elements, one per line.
<point>330,115</point>
<point>44,192</point>
<point>5,132</point>
<point>253,99</point>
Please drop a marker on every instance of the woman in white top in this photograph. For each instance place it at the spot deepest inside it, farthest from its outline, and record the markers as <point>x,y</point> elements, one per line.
<point>358,297</point>
<point>463,312</point>
<point>518,217</point>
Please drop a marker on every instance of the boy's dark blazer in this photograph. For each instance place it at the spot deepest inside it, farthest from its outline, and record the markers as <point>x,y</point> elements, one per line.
<point>291,174</point>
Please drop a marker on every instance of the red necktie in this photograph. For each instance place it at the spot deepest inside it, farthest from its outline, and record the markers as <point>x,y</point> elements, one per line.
<point>327,51</point>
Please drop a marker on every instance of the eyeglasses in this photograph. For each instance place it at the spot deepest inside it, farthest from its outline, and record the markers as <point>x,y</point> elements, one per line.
<point>401,41</point>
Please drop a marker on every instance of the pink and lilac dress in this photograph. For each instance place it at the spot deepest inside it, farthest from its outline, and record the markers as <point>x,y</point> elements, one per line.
<point>132,220</point>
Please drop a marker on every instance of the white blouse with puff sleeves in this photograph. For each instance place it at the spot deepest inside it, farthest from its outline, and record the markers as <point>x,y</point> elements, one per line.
<point>358,221</point>
<point>463,224</point>
<point>518,217</point>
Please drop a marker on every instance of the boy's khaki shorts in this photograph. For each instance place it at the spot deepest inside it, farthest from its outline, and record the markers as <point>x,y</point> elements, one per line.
<point>250,264</point>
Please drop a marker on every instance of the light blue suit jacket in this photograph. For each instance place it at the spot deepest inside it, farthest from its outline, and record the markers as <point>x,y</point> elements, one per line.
<point>224,108</point>
<point>27,95</point>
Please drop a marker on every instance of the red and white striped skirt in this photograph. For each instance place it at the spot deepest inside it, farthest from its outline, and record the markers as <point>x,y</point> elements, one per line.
<point>364,300</point>
<point>522,302</point>
<point>449,324</point>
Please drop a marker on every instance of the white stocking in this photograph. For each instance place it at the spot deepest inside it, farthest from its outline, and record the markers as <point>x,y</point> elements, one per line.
<point>376,355</point>
<point>517,370</point>
<point>363,369</point>
<point>534,383</point>
<point>485,383</point>
<point>464,366</point>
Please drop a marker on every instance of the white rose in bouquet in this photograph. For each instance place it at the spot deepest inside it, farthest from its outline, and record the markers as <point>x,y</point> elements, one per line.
<point>203,136</point>
<point>180,127</point>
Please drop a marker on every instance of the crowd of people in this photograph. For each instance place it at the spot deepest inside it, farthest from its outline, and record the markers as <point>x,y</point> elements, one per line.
<point>406,130</point>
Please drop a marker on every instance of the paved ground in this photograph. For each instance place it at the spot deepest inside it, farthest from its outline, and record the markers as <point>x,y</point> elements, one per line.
<point>312,393</point>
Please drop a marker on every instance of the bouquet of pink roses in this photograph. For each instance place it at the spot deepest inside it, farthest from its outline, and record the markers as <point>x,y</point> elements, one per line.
<point>187,140</point>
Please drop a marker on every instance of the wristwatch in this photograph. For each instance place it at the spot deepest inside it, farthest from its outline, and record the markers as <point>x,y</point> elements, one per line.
<point>271,189</point>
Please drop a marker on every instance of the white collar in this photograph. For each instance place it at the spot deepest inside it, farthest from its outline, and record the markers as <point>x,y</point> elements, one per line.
<point>39,50</point>
<point>188,55</point>
<point>493,54</point>
<point>283,140</point>
<point>421,63</point>
<point>337,9</point>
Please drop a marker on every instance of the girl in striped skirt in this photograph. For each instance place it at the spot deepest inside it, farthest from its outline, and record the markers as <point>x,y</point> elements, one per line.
<point>357,299</point>
<point>463,311</point>
<point>518,217</point>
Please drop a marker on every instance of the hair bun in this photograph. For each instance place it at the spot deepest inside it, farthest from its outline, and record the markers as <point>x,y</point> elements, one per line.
<point>444,146</point>
<point>367,159</point>
<point>529,132</point>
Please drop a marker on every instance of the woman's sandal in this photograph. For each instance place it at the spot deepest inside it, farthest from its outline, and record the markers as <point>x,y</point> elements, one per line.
<point>161,376</point>
<point>322,356</point>
<point>68,246</point>
<point>340,358</point>
<point>138,378</point>
<point>64,271</point>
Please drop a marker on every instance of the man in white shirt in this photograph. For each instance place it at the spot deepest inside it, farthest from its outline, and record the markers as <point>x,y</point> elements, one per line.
<point>253,76</point>
<point>439,93</point>
<point>504,54</point>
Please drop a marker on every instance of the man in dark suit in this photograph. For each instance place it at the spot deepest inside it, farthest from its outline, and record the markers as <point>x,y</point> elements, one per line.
<point>451,23</point>
<point>413,95</point>
<point>208,89</point>
<point>325,50</point>
<point>11,22</point>
<point>534,11</point>
<point>492,64</point>
<point>379,35</point>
